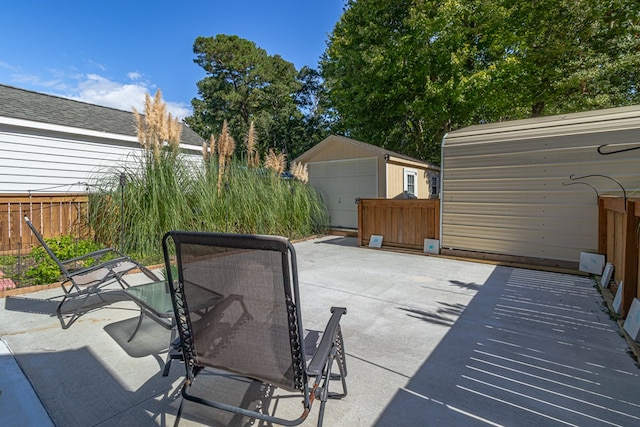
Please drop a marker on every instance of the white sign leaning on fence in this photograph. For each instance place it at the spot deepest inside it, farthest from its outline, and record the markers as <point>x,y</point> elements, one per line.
<point>617,301</point>
<point>431,246</point>
<point>632,322</point>
<point>375,241</point>
<point>606,275</point>
<point>591,263</point>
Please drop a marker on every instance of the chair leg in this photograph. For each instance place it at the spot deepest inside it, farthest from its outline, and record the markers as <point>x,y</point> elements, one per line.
<point>174,353</point>
<point>137,326</point>
<point>74,316</point>
<point>321,414</point>
<point>179,414</point>
<point>342,367</point>
<point>340,359</point>
<point>77,312</point>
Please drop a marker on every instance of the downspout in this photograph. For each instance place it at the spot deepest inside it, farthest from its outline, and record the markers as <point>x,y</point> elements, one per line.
<point>442,186</point>
<point>386,176</point>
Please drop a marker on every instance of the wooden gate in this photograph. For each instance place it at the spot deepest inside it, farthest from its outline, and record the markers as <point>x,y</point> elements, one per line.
<point>403,223</point>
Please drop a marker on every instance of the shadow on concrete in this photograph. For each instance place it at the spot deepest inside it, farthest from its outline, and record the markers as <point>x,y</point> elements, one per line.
<point>340,241</point>
<point>48,306</point>
<point>31,305</point>
<point>464,285</point>
<point>532,348</point>
<point>445,315</point>
<point>77,390</point>
<point>150,340</point>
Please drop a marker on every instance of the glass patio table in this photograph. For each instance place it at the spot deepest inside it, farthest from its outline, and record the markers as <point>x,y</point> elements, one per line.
<point>154,300</point>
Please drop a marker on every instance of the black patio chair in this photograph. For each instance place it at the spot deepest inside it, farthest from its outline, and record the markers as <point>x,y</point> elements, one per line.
<point>86,275</point>
<point>253,332</point>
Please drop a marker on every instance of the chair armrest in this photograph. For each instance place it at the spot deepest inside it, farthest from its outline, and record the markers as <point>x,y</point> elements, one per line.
<point>97,255</point>
<point>328,336</point>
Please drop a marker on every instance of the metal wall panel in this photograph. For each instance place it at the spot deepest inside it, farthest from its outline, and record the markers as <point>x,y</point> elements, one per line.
<point>505,185</point>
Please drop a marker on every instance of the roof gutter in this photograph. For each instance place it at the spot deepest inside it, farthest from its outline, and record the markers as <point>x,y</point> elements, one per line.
<point>31,124</point>
<point>444,138</point>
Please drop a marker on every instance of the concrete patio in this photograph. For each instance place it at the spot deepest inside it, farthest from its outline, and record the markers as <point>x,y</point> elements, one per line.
<point>429,340</point>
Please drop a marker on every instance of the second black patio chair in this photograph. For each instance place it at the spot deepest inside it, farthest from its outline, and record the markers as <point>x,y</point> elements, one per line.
<point>252,332</point>
<point>86,275</point>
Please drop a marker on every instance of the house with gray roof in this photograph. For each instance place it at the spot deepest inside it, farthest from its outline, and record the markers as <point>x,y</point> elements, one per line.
<point>50,144</point>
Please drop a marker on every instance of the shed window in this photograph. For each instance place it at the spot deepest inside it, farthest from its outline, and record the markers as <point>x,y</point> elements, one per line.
<point>434,185</point>
<point>411,181</point>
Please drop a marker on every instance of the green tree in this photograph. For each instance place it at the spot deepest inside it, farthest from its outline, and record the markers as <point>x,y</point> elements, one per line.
<point>576,55</point>
<point>245,84</point>
<point>312,99</point>
<point>402,73</point>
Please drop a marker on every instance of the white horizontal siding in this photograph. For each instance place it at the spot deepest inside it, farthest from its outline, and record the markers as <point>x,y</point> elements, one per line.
<point>504,185</point>
<point>38,161</point>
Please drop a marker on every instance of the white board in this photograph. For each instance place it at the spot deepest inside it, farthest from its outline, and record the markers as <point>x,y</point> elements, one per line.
<point>591,263</point>
<point>606,275</point>
<point>632,322</point>
<point>431,246</point>
<point>617,301</point>
<point>375,241</point>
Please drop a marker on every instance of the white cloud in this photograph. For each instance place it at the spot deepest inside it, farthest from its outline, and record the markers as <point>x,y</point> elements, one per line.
<point>96,89</point>
<point>9,67</point>
<point>34,80</point>
<point>178,110</point>
<point>97,64</point>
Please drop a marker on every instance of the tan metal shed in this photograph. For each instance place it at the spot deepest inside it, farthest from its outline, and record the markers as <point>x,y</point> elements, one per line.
<point>344,169</point>
<point>507,188</point>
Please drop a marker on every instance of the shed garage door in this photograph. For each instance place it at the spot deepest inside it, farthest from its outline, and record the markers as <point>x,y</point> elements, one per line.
<point>341,182</point>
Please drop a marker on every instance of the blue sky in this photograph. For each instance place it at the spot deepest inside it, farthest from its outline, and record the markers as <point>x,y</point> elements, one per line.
<point>113,52</point>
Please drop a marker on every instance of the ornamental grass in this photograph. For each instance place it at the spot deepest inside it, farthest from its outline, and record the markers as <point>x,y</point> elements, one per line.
<point>162,190</point>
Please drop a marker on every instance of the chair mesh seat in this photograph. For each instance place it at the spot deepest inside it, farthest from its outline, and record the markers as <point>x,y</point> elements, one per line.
<point>248,330</point>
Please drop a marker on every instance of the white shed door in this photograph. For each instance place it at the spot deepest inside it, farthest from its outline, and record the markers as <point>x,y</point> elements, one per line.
<point>341,182</point>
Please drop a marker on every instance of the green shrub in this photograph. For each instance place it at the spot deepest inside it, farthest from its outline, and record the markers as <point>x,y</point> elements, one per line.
<point>46,270</point>
<point>9,267</point>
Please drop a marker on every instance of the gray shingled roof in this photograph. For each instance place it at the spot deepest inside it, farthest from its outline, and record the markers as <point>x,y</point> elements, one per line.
<point>39,107</point>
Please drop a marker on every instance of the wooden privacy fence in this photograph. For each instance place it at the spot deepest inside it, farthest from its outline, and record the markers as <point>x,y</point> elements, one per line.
<point>618,237</point>
<point>53,214</point>
<point>403,223</point>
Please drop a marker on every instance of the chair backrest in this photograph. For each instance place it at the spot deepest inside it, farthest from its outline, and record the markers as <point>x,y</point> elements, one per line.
<point>235,301</point>
<point>46,247</point>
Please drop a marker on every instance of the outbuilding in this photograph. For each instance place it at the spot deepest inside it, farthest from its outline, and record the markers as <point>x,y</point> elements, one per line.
<point>345,170</point>
<point>528,188</point>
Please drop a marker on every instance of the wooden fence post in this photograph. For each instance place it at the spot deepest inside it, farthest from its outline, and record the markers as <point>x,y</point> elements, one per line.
<point>360,231</point>
<point>629,258</point>
<point>602,227</point>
